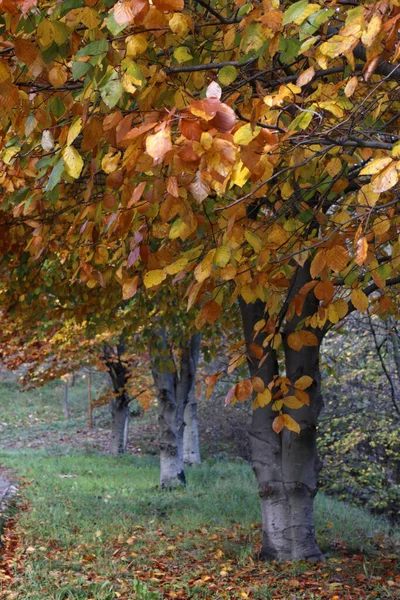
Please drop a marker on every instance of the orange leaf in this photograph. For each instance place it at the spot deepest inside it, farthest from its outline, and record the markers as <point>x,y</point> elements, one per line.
<point>243,390</point>
<point>337,258</point>
<point>278,424</point>
<point>318,263</point>
<point>129,287</point>
<point>169,5</point>
<point>324,290</point>
<point>211,311</point>
<point>258,384</point>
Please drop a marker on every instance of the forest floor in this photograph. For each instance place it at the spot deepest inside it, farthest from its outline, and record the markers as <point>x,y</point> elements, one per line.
<point>90,527</point>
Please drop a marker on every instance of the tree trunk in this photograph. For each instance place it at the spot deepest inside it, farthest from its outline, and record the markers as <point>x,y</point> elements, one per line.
<point>118,371</point>
<point>65,399</point>
<point>173,390</point>
<point>286,464</point>
<point>191,447</point>
<point>119,425</point>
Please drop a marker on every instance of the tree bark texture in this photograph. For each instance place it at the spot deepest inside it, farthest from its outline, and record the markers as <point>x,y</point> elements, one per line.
<point>119,404</point>
<point>286,465</point>
<point>119,425</point>
<point>191,441</point>
<point>173,388</point>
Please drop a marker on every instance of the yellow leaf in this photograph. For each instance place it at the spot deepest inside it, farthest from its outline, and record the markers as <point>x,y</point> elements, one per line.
<point>277,405</point>
<point>351,86</point>
<point>373,29</point>
<point>182,54</point>
<point>264,398</point>
<point>292,402</point>
<point>366,196</point>
<point>362,251</point>
<point>381,225</point>
<point>203,270</point>
<point>334,166</point>
<point>179,24</point>
<point>359,300</point>
<point>110,162</point>
<point>45,33</point>
<point>153,278</point>
<point>376,166</point>
<point>341,307</point>
<point>386,180</point>
<point>245,134</point>
<point>253,240</point>
<point>290,423</point>
<point>303,382</point>
<point>74,130</point>
<point>177,266</point>
<point>222,256</point>
<point>73,161</point>
<point>305,77</point>
<point>57,76</point>
<point>136,45</point>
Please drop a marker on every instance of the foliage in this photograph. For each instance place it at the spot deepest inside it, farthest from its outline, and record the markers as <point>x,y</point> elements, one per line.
<point>95,525</point>
<point>126,165</point>
<point>359,430</point>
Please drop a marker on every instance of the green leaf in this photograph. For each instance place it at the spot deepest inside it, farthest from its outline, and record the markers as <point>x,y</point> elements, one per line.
<point>55,175</point>
<point>294,12</point>
<point>79,69</point>
<point>111,92</point>
<point>227,75</point>
<point>182,54</point>
<point>93,49</point>
<point>56,107</point>
<point>113,27</point>
<point>314,21</point>
<point>302,121</point>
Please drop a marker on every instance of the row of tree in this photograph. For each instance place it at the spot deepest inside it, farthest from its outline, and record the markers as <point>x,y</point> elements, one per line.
<point>238,157</point>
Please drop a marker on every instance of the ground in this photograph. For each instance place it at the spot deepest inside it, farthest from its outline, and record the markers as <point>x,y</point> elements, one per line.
<point>88,526</point>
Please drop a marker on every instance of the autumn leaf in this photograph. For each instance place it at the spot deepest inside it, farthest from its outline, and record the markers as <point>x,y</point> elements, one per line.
<point>303,382</point>
<point>153,278</point>
<point>359,300</point>
<point>129,287</point>
<point>73,161</point>
<point>243,390</point>
<point>290,423</point>
<point>158,144</point>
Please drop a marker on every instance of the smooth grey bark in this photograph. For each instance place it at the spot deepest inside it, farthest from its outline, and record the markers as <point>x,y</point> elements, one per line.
<point>119,404</point>
<point>119,425</point>
<point>191,441</point>
<point>65,399</point>
<point>286,465</point>
<point>173,388</point>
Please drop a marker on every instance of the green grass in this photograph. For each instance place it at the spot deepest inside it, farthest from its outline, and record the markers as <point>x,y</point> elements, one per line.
<point>96,524</point>
<point>92,527</point>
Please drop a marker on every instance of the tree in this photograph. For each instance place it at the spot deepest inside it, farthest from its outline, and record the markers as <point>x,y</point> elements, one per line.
<point>244,150</point>
<point>174,385</point>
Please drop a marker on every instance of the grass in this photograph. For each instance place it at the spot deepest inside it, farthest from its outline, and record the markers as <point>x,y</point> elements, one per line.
<point>95,525</point>
<point>92,527</point>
